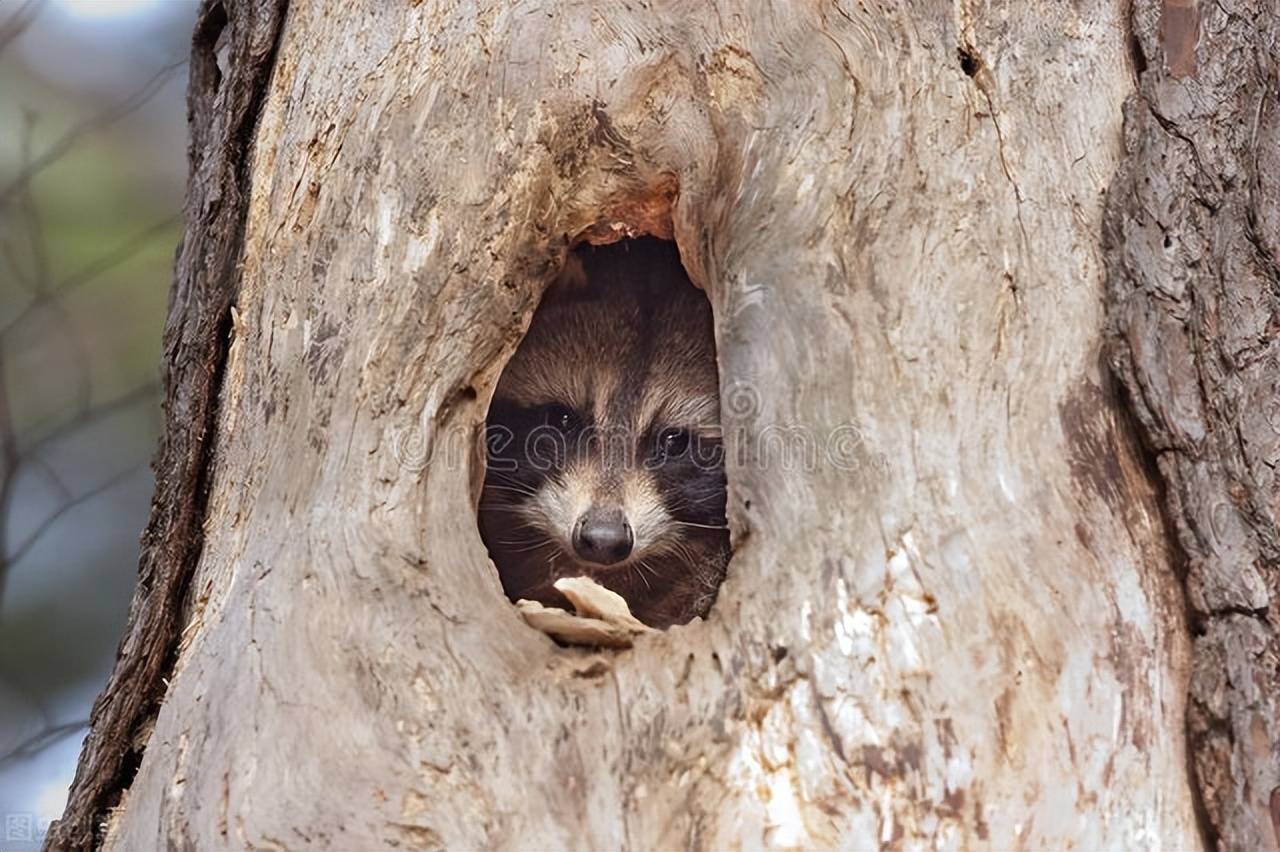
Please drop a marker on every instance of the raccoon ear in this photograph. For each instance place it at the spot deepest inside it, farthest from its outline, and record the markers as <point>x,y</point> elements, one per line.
<point>571,284</point>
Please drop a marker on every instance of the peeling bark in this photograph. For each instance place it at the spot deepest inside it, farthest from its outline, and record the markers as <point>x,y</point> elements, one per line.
<point>1193,243</point>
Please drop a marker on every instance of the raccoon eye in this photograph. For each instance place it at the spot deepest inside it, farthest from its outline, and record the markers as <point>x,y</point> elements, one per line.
<point>673,442</point>
<point>559,417</point>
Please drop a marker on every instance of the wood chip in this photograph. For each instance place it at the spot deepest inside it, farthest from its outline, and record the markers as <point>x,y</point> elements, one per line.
<point>602,619</point>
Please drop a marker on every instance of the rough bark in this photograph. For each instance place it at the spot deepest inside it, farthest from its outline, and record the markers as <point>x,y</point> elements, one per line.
<point>231,58</point>
<point>957,623</point>
<point>1193,235</point>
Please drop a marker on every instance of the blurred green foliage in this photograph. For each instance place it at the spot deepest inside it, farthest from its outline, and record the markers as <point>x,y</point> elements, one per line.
<point>91,174</point>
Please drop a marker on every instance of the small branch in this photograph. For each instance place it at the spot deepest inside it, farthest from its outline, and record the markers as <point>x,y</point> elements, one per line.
<point>35,744</point>
<point>75,343</point>
<point>103,119</point>
<point>97,412</point>
<point>17,23</point>
<point>51,476</point>
<point>9,459</point>
<point>121,254</point>
<point>35,229</point>
<point>21,550</point>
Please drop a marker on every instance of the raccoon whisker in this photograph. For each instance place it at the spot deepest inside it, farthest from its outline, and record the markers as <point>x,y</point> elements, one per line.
<point>640,567</point>
<point>531,544</point>
<point>551,563</point>
<point>530,549</point>
<point>525,533</point>
<point>529,534</point>
<point>703,526</point>
<point>510,485</point>
<point>501,476</point>
<point>699,499</point>
<point>517,545</point>
<point>682,501</point>
<point>510,490</point>
<point>684,553</point>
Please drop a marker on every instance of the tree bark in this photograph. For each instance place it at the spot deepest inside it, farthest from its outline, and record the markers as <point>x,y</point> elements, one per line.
<point>223,105</point>
<point>1193,242</point>
<point>955,615</point>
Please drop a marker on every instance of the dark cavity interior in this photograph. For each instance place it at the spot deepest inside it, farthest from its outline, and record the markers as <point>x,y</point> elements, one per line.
<point>605,456</point>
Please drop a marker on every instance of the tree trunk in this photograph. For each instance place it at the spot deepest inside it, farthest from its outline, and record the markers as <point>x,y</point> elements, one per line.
<point>955,616</point>
<point>1193,233</point>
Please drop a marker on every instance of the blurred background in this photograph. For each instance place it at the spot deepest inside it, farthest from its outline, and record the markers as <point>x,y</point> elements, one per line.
<point>92,169</point>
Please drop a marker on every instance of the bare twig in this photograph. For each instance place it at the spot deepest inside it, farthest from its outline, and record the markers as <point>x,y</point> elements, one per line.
<point>25,255</point>
<point>36,743</point>
<point>103,119</point>
<point>17,23</point>
<point>48,296</point>
<point>51,476</point>
<point>10,459</point>
<point>11,255</point>
<point>35,230</point>
<point>121,254</point>
<point>111,482</point>
<point>104,409</point>
<point>84,375</point>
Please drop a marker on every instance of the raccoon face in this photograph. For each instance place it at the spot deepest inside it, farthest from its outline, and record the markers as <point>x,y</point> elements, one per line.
<point>604,449</point>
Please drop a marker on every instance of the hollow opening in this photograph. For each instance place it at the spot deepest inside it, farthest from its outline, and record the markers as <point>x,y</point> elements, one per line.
<point>604,450</point>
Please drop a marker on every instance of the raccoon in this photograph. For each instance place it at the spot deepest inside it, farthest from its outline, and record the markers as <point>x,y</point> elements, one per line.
<point>605,457</point>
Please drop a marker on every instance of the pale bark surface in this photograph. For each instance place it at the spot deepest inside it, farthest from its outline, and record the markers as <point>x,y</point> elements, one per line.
<point>1193,232</point>
<point>965,629</point>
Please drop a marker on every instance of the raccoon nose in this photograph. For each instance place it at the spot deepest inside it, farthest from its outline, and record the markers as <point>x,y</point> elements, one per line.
<point>602,537</point>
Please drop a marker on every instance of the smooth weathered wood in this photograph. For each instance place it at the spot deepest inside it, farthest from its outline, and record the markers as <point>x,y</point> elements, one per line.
<point>953,618</point>
<point>1193,240</point>
<point>223,104</point>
